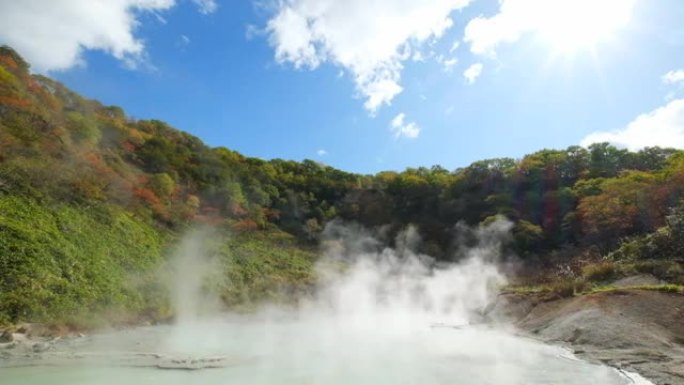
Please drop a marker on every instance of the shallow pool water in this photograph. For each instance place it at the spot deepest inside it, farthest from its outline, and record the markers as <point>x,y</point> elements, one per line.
<point>312,351</point>
<point>387,318</point>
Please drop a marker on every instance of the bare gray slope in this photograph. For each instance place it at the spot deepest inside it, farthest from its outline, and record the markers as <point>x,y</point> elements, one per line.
<point>637,330</point>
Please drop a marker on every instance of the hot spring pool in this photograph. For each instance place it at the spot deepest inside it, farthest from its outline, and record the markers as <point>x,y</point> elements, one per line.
<point>388,318</point>
<point>312,351</point>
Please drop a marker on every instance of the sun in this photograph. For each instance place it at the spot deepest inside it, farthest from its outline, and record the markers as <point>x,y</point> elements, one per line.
<point>568,26</point>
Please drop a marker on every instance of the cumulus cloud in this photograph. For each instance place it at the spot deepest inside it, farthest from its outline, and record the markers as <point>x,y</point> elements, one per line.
<point>370,39</point>
<point>563,21</point>
<point>322,152</point>
<point>402,129</point>
<point>206,6</point>
<point>52,35</point>
<point>674,77</point>
<point>472,73</point>
<point>662,127</point>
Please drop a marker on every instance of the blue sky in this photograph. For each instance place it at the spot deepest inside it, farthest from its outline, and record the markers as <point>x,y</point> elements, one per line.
<point>320,79</point>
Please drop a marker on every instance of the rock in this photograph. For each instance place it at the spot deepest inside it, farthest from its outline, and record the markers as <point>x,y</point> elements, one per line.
<point>40,347</point>
<point>195,363</point>
<point>19,338</point>
<point>639,329</point>
<point>11,345</point>
<point>7,336</point>
<point>508,307</point>
<point>34,330</point>
<point>637,280</point>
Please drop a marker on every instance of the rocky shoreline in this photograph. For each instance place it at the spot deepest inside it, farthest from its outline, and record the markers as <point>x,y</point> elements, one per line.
<point>633,330</point>
<point>36,345</point>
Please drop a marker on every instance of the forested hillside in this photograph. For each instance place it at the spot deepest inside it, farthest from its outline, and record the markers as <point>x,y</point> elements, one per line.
<point>91,200</point>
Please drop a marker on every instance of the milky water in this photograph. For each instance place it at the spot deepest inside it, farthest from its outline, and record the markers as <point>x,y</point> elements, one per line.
<point>315,351</point>
<point>378,316</point>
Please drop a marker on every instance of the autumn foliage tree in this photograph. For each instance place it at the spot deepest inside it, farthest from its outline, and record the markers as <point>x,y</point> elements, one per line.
<point>59,145</point>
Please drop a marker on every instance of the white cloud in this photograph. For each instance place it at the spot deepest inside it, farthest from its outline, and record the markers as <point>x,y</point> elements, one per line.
<point>403,129</point>
<point>51,35</point>
<point>206,6</point>
<point>472,73</point>
<point>564,23</point>
<point>447,63</point>
<point>418,56</point>
<point>368,38</point>
<point>662,127</point>
<point>252,31</point>
<point>674,77</point>
<point>184,40</point>
<point>160,18</point>
<point>321,152</point>
<point>454,46</point>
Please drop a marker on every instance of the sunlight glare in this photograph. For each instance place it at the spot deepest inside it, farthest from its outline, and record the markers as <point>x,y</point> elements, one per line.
<point>572,25</point>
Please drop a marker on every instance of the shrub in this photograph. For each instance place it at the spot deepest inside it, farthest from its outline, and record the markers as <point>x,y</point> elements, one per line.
<point>7,78</point>
<point>566,287</point>
<point>664,270</point>
<point>666,242</point>
<point>597,272</point>
<point>63,261</point>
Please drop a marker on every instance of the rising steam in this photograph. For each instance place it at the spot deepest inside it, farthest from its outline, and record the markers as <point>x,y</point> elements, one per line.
<point>373,287</point>
<point>378,315</point>
<point>194,267</point>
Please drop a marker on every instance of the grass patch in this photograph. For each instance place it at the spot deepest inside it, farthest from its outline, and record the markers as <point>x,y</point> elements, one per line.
<point>666,287</point>
<point>664,270</point>
<point>566,289</point>
<point>563,288</point>
<point>596,278</point>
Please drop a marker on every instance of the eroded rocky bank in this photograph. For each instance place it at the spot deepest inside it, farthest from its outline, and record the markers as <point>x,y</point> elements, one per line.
<point>635,330</point>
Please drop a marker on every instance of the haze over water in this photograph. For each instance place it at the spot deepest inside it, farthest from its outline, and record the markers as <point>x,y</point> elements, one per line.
<point>385,317</point>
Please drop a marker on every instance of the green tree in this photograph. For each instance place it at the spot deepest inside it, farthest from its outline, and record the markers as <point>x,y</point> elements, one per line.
<point>162,185</point>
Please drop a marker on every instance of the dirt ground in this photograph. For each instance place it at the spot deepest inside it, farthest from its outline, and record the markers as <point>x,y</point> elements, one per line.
<point>635,330</point>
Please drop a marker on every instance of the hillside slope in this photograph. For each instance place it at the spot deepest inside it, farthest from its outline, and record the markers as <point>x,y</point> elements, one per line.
<point>92,202</point>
